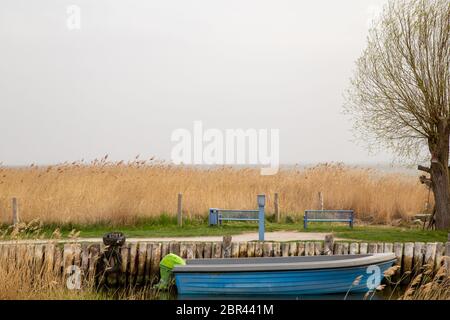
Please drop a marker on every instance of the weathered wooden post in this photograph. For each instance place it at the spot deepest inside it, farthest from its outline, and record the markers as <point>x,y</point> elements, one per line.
<point>329,244</point>
<point>320,197</point>
<point>208,250</point>
<point>293,249</point>
<point>226,246</point>
<point>354,248</point>
<point>180,207</point>
<point>418,256</point>
<point>447,258</point>
<point>398,250</point>
<point>15,211</point>
<point>408,254</point>
<point>363,247</point>
<point>277,210</point>
<point>285,249</point>
<point>261,199</point>
<point>309,248</point>
<point>235,249</point>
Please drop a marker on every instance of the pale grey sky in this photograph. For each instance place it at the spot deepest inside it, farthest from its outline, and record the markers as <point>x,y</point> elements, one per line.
<point>139,69</point>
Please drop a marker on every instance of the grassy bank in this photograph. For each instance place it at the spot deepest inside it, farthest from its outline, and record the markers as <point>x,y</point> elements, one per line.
<point>166,226</point>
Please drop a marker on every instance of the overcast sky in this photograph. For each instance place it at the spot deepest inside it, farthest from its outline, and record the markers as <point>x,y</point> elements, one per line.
<point>138,69</point>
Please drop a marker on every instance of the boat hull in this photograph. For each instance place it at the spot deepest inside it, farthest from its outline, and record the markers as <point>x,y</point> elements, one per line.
<point>282,282</point>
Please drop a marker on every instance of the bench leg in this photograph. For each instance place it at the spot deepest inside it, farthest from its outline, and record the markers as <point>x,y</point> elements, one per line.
<point>351,220</point>
<point>305,224</point>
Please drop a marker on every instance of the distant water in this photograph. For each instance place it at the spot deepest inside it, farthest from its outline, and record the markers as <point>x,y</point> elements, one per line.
<point>381,167</point>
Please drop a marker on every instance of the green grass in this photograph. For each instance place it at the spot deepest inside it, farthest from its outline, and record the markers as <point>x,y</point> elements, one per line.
<point>166,226</point>
<point>381,233</point>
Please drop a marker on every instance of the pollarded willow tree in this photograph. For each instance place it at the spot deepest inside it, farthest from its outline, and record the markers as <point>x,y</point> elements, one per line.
<point>399,94</point>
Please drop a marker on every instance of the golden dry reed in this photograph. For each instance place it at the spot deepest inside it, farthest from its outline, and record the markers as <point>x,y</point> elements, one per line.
<point>26,275</point>
<point>121,192</point>
<point>20,278</point>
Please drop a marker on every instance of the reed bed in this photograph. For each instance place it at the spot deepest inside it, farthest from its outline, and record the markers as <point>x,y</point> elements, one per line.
<point>425,284</point>
<point>428,287</point>
<point>23,281</point>
<point>24,277</point>
<point>120,193</point>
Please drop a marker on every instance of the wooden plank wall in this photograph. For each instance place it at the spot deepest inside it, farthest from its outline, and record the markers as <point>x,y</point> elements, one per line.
<point>140,260</point>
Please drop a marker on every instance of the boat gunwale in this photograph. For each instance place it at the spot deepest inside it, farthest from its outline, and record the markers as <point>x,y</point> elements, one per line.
<point>348,262</point>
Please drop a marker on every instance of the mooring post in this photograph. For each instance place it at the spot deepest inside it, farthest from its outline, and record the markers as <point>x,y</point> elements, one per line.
<point>226,246</point>
<point>261,199</point>
<point>15,211</point>
<point>180,217</point>
<point>320,196</point>
<point>447,258</point>
<point>277,211</point>
<point>328,245</point>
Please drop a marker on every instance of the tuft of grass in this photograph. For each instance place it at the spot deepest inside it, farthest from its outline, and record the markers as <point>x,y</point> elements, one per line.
<point>426,284</point>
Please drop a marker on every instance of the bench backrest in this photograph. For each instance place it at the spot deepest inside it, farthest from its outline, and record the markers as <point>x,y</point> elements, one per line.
<point>217,215</point>
<point>329,214</point>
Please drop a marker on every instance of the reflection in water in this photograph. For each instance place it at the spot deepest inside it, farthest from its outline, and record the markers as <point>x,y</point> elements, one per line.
<point>355,296</point>
<point>386,294</point>
<point>152,294</point>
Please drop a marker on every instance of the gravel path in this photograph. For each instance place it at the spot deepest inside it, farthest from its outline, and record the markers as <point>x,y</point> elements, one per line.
<point>270,236</point>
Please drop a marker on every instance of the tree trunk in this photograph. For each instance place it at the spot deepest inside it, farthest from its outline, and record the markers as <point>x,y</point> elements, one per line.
<point>440,175</point>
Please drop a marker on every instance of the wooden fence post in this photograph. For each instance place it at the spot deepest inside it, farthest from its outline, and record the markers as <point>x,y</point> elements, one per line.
<point>180,217</point>
<point>447,258</point>
<point>15,211</point>
<point>277,210</point>
<point>320,197</point>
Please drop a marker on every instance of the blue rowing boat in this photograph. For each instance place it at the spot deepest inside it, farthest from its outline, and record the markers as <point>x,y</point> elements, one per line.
<point>305,275</point>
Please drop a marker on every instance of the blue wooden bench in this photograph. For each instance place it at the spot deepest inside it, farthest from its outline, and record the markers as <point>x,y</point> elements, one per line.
<point>217,216</point>
<point>328,216</point>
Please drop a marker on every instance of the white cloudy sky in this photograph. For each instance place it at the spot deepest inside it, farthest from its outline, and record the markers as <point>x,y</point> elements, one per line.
<point>139,69</point>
